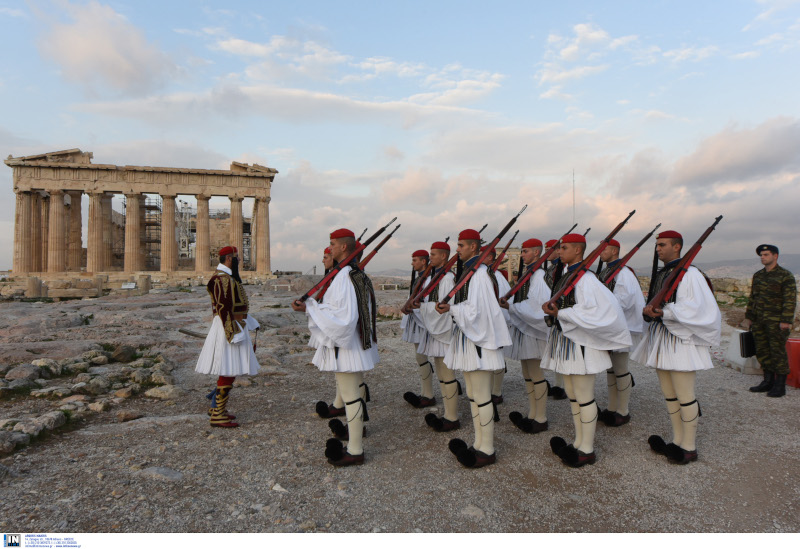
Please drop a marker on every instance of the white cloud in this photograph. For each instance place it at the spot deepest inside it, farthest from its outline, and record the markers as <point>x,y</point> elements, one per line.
<point>745,55</point>
<point>13,12</point>
<point>554,73</point>
<point>100,50</point>
<point>691,53</point>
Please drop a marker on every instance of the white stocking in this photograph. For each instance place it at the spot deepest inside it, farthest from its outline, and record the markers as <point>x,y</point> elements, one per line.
<point>673,406</point>
<point>690,409</point>
<point>497,382</point>
<point>449,387</point>
<point>425,375</point>
<point>576,410</point>
<point>583,387</point>
<point>536,388</point>
<point>612,388</point>
<point>354,407</point>
<point>482,393</point>
<point>338,402</point>
<point>473,408</point>
<point>624,382</point>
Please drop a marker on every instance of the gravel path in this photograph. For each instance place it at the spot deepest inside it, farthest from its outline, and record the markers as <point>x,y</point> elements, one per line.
<point>170,472</point>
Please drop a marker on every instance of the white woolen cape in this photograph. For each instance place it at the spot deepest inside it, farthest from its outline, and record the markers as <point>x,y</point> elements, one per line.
<point>437,328</point>
<point>596,323</point>
<point>479,322</point>
<point>690,327</point>
<point>334,323</point>
<point>528,328</point>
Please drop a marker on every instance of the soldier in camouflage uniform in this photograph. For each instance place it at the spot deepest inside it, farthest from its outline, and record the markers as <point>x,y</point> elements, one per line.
<point>770,313</point>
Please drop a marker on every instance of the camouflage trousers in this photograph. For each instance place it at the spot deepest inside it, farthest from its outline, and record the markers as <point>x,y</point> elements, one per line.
<point>771,346</point>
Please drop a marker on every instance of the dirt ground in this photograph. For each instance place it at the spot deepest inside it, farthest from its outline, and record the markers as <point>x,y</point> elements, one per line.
<point>270,475</point>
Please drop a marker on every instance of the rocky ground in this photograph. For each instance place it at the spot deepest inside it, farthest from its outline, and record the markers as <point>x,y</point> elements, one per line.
<point>126,446</point>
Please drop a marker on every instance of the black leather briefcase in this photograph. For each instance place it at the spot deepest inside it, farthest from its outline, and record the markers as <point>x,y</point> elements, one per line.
<point>747,344</point>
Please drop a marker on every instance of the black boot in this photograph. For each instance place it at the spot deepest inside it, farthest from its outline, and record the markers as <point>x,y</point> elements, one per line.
<point>778,387</point>
<point>766,385</point>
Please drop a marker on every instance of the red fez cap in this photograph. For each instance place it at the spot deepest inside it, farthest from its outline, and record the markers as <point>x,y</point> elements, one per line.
<point>613,242</point>
<point>483,249</point>
<point>420,253</point>
<point>574,238</point>
<point>670,234</point>
<point>469,234</point>
<point>227,250</point>
<point>342,233</point>
<point>440,246</point>
<point>551,243</point>
<point>533,243</point>
<point>327,251</point>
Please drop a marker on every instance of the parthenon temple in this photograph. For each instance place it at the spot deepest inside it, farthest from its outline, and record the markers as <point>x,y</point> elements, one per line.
<point>48,229</point>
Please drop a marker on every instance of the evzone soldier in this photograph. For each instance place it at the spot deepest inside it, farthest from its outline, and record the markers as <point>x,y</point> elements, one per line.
<point>588,322</point>
<point>556,389</point>
<point>677,345</point>
<point>436,340</point>
<point>336,408</point>
<point>502,289</point>
<point>625,287</point>
<point>228,350</point>
<point>345,328</point>
<point>413,332</point>
<point>478,336</point>
<point>529,336</point>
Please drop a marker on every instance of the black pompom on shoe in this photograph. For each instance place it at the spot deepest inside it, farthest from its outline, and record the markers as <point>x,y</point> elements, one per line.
<point>557,444</point>
<point>657,444</point>
<point>557,393</point>
<point>322,409</point>
<point>605,416</point>
<point>338,429</point>
<point>334,449</point>
<point>467,458</point>
<point>457,446</point>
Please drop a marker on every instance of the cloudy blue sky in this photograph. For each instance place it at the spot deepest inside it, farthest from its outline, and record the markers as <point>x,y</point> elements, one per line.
<point>446,114</point>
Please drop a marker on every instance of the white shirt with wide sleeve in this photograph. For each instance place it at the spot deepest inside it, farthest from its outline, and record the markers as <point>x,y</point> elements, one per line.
<point>527,326</point>
<point>333,324</point>
<point>479,322</point>
<point>589,329</point>
<point>438,328</point>
<point>690,327</point>
<point>631,299</point>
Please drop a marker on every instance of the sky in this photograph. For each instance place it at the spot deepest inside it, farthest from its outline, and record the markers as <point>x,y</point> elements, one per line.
<point>447,114</point>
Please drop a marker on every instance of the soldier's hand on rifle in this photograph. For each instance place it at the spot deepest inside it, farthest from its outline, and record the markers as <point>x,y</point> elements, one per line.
<point>550,309</point>
<point>747,323</point>
<point>442,308</point>
<point>653,312</point>
<point>415,304</point>
<point>299,306</point>
<point>504,303</point>
<point>785,326</point>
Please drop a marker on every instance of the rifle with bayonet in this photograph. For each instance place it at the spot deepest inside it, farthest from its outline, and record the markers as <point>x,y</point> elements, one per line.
<point>346,261</point>
<point>500,257</point>
<point>378,247</point>
<point>471,271</point>
<point>578,273</point>
<point>532,269</point>
<point>674,278</point>
<point>616,270</point>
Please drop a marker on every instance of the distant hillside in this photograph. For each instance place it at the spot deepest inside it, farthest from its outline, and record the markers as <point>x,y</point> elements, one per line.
<point>734,268</point>
<point>405,273</point>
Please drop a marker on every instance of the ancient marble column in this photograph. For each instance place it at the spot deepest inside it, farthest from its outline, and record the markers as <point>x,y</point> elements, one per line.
<point>56,243</point>
<point>44,212</point>
<point>169,247</point>
<point>254,236</point>
<point>23,257</point>
<point>132,230</point>
<point>202,251</point>
<point>36,234</point>
<point>262,226</point>
<point>236,235</point>
<point>142,233</point>
<point>108,233</point>
<point>75,253</point>
<point>94,244</point>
